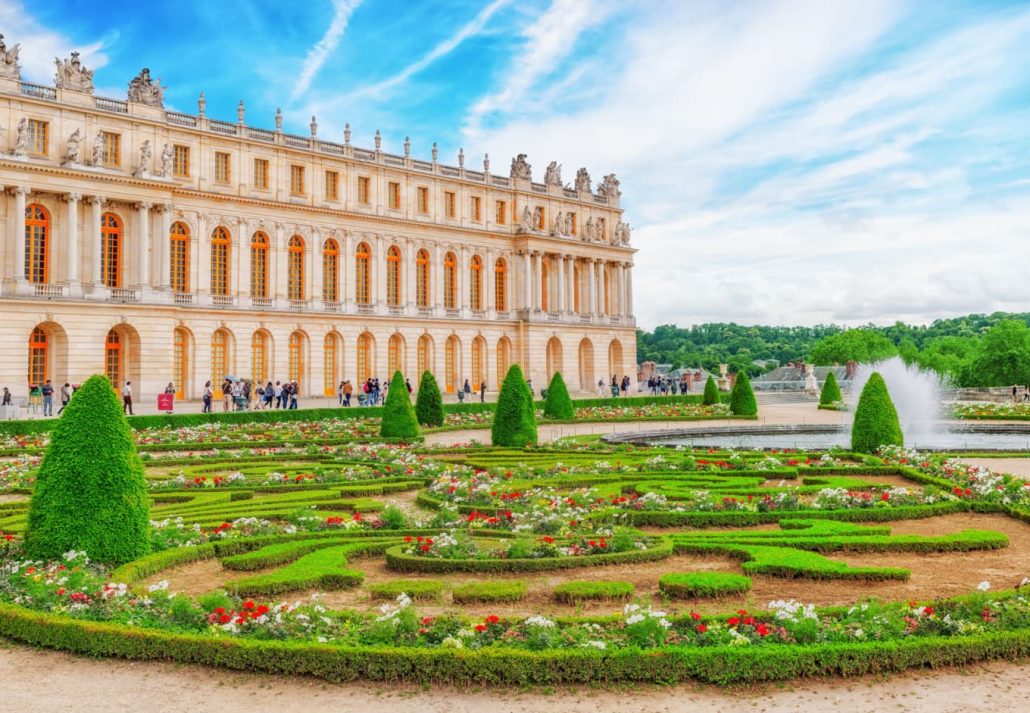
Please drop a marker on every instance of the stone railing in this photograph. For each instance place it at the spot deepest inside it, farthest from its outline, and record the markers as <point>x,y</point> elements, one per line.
<point>105,104</point>
<point>297,305</point>
<point>223,300</point>
<point>125,294</point>
<point>262,302</point>
<point>48,291</point>
<point>38,91</point>
<point>366,309</point>
<point>329,306</point>
<point>183,298</point>
<point>174,117</point>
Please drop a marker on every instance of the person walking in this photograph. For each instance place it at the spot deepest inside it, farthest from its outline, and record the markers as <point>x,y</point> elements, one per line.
<point>407,383</point>
<point>482,392</point>
<point>7,397</point>
<point>66,396</point>
<point>209,394</point>
<point>339,394</point>
<point>348,390</point>
<point>294,393</point>
<point>1015,397</point>
<point>48,398</point>
<point>127,398</point>
<point>468,388</point>
<point>1026,393</point>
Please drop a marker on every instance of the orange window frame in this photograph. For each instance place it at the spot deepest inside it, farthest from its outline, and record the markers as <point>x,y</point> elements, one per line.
<point>295,268</point>
<point>450,281</point>
<point>113,358</point>
<point>220,262</point>
<point>39,356</point>
<point>110,250</point>
<point>362,274</point>
<point>476,283</point>
<point>179,257</point>
<point>330,271</point>
<point>501,285</point>
<point>422,279</point>
<point>393,276</point>
<point>259,358</point>
<point>37,244</point>
<point>259,265</point>
<point>331,369</point>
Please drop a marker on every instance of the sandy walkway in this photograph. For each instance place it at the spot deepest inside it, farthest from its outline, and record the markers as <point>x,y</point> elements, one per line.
<point>56,682</point>
<point>1016,466</point>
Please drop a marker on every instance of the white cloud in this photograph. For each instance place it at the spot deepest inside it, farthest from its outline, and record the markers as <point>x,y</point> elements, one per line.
<point>321,50</point>
<point>40,45</point>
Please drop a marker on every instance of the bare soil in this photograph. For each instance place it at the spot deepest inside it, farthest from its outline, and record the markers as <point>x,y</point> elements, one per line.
<point>1019,467</point>
<point>54,682</point>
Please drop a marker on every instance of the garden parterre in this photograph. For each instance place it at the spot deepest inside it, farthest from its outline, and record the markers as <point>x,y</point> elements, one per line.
<point>282,524</point>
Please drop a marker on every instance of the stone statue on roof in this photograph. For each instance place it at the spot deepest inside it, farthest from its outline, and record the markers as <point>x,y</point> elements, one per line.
<point>143,90</point>
<point>72,74</point>
<point>521,169</point>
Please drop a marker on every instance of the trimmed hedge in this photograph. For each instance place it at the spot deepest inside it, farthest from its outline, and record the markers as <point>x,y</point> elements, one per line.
<point>514,423</point>
<point>429,402</point>
<point>417,589</point>
<point>876,420</point>
<point>489,592</point>
<point>558,404</point>
<point>669,518</point>
<point>322,569</point>
<point>688,585</point>
<point>711,394</point>
<point>742,399</point>
<point>576,592</point>
<point>398,415</point>
<point>830,393</point>
<point>90,491</point>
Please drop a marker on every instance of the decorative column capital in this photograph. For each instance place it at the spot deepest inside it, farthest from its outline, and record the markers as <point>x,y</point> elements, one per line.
<point>96,200</point>
<point>142,205</point>
<point>71,197</point>
<point>19,190</point>
<point>166,208</point>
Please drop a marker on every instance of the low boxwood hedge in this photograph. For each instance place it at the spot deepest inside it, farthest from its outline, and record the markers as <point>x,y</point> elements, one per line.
<point>576,592</point>
<point>690,585</point>
<point>489,592</point>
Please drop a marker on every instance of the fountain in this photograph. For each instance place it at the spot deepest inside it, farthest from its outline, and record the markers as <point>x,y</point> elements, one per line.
<point>916,394</point>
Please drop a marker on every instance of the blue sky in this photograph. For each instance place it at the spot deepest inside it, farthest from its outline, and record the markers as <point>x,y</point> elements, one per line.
<point>781,162</point>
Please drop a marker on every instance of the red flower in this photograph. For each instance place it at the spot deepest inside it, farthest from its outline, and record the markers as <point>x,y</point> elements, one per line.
<point>548,539</point>
<point>701,628</point>
<point>733,621</point>
<point>249,604</point>
<point>762,630</point>
<point>492,619</point>
<point>480,628</point>
<point>425,548</point>
<point>928,611</point>
<point>695,616</point>
<point>427,620</point>
<point>225,619</point>
<point>409,538</point>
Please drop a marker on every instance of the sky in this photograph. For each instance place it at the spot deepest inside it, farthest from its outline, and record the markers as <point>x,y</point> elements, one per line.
<point>782,162</point>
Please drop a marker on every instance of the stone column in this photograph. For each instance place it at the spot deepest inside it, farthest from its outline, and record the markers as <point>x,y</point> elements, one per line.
<point>408,277</point>
<point>629,290</point>
<point>278,277</point>
<point>527,278</point>
<point>315,293</point>
<point>570,285</point>
<point>162,249</point>
<point>591,288</point>
<point>17,228</point>
<point>378,273</point>
<point>437,270</point>
<point>96,212</point>
<point>560,270</point>
<point>143,220</point>
<point>538,281</point>
<point>489,282</point>
<point>200,261</point>
<point>464,287</point>
<point>72,245</point>
<point>347,272</point>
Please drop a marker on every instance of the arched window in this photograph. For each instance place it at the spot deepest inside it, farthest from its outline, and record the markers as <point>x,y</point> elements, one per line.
<point>503,359</point>
<point>295,268</point>
<point>219,360</point>
<point>363,274</point>
<point>331,368</point>
<point>501,285</point>
<point>450,281</point>
<point>37,244</point>
<point>422,279</point>
<point>259,358</point>
<point>425,355</point>
<point>113,358</point>
<point>259,265</point>
<point>220,262</point>
<point>452,350</point>
<point>39,356</point>
<point>364,358</point>
<point>393,277</point>
<point>179,257</point>
<point>545,274</point>
<point>110,250</point>
<point>586,365</point>
<point>331,273</point>
<point>554,357</point>
<point>476,283</point>
<point>478,363</point>
<point>296,359</point>
<point>180,361</point>
<point>395,355</point>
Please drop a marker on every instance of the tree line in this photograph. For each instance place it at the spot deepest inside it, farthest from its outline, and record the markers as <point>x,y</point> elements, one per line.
<point>974,350</point>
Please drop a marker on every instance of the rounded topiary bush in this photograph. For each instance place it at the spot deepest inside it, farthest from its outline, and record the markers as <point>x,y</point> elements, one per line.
<point>429,402</point>
<point>876,420</point>
<point>742,400</point>
<point>398,415</point>
<point>90,492</point>
<point>831,391</point>
<point>711,395</point>
<point>558,404</point>
<point>514,423</point>
<point>688,585</point>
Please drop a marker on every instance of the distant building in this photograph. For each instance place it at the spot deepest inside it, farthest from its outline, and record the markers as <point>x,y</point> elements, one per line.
<point>791,376</point>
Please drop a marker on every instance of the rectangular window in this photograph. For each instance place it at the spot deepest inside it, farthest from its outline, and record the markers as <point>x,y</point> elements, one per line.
<point>502,213</point>
<point>423,200</point>
<point>450,203</point>
<point>39,137</point>
<point>297,180</point>
<point>477,208</point>
<point>364,184</point>
<point>332,185</point>
<point>261,173</point>
<point>181,162</point>
<point>395,195</point>
<point>112,149</point>
<point>222,171</point>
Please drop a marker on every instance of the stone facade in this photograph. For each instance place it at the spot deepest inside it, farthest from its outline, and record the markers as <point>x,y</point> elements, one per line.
<point>171,247</point>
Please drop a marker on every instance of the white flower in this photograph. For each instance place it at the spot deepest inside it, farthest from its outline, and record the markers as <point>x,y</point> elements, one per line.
<point>592,644</point>
<point>984,586</point>
<point>159,586</point>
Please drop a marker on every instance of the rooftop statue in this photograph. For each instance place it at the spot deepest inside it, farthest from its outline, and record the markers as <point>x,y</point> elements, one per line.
<point>72,74</point>
<point>552,176</point>
<point>583,180</point>
<point>143,90</point>
<point>9,68</point>
<point>520,169</point>
<point>609,187</point>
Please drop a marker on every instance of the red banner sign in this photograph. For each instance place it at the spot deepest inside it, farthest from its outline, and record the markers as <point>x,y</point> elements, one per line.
<point>165,402</point>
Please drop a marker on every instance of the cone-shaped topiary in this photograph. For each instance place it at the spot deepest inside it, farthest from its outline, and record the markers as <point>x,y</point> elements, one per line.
<point>558,404</point>
<point>742,400</point>
<point>90,492</point>
<point>831,391</point>
<point>876,421</point>
<point>429,403</point>
<point>398,415</point>
<point>515,418</point>
<point>711,392</point>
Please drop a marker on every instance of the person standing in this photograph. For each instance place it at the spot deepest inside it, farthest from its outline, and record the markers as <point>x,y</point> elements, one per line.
<point>48,398</point>
<point>339,394</point>
<point>407,383</point>
<point>294,393</point>
<point>482,392</point>
<point>1015,397</point>
<point>348,389</point>
<point>66,396</point>
<point>208,397</point>
<point>127,398</point>
<point>7,397</point>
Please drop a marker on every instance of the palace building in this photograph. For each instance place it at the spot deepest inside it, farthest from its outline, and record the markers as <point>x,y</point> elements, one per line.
<point>158,246</point>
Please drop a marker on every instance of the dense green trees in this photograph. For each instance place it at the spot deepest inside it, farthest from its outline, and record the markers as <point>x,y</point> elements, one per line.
<point>864,345</point>
<point>429,402</point>
<point>398,415</point>
<point>742,399</point>
<point>876,420</point>
<point>1001,358</point>
<point>515,417</point>
<point>558,403</point>
<point>90,492</point>
<point>831,391</point>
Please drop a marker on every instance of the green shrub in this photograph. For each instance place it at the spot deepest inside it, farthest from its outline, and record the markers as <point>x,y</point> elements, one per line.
<point>429,402</point>
<point>688,585</point>
<point>711,395</point>
<point>515,418</point>
<point>742,400</point>
<point>876,421</point>
<point>558,404</point>
<point>398,416</point>
<point>489,592</point>
<point>417,589</point>
<point>831,391</point>
<point>324,569</point>
<point>575,592</point>
<point>91,494</point>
